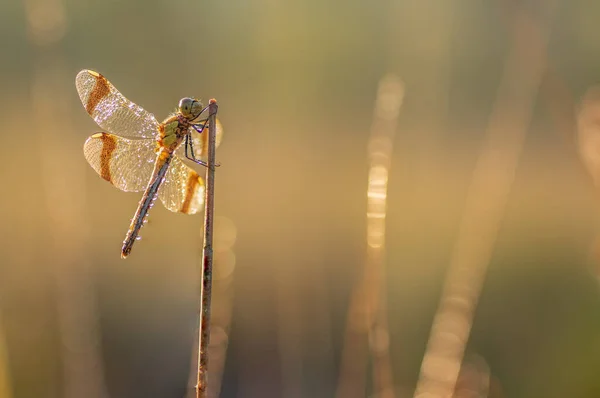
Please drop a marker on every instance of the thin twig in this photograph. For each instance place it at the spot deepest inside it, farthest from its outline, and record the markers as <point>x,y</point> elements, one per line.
<point>207,255</point>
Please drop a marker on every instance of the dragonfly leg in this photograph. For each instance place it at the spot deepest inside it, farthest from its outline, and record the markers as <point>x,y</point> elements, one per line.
<point>202,124</point>
<point>187,138</point>
<point>189,142</point>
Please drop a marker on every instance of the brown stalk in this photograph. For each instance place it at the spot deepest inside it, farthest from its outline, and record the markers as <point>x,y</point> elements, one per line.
<point>207,256</point>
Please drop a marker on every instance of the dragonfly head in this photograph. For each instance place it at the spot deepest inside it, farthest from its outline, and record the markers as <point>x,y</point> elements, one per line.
<point>190,108</point>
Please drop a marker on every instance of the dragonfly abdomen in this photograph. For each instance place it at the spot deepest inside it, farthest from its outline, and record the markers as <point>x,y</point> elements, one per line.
<point>160,169</point>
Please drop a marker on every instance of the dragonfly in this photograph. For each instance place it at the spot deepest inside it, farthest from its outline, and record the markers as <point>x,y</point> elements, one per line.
<point>137,153</point>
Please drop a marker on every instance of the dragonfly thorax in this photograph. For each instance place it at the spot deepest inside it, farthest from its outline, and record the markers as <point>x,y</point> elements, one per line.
<point>190,108</point>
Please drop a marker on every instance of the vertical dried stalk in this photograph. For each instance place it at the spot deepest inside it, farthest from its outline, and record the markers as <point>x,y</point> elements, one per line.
<point>207,255</point>
<point>490,186</point>
<point>221,310</point>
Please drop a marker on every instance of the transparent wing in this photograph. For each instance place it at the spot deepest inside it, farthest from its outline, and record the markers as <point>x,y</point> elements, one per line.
<point>127,164</point>
<point>111,110</point>
<point>182,190</point>
<point>201,141</point>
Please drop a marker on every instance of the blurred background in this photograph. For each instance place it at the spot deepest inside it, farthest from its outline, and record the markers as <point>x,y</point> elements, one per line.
<point>407,203</point>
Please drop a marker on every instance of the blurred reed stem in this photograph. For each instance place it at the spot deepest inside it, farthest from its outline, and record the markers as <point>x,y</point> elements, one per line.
<point>367,324</point>
<point>61,188</point>
<point>488,193</point>
<point>207,256</point>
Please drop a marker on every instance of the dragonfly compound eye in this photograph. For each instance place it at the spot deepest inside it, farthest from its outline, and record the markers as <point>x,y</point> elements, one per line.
<point>186,105</point>
<point>197,108</point>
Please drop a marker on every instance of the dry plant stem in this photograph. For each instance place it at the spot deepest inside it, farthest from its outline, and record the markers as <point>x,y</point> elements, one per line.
<point>207,256</point>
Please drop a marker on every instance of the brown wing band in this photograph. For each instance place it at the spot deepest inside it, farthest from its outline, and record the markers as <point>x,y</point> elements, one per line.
<point>109,144</point>
<point>100,90</point>
<point>192,183</point>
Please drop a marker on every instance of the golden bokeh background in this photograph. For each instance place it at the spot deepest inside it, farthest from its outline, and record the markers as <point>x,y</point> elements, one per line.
<point>407,203</point>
